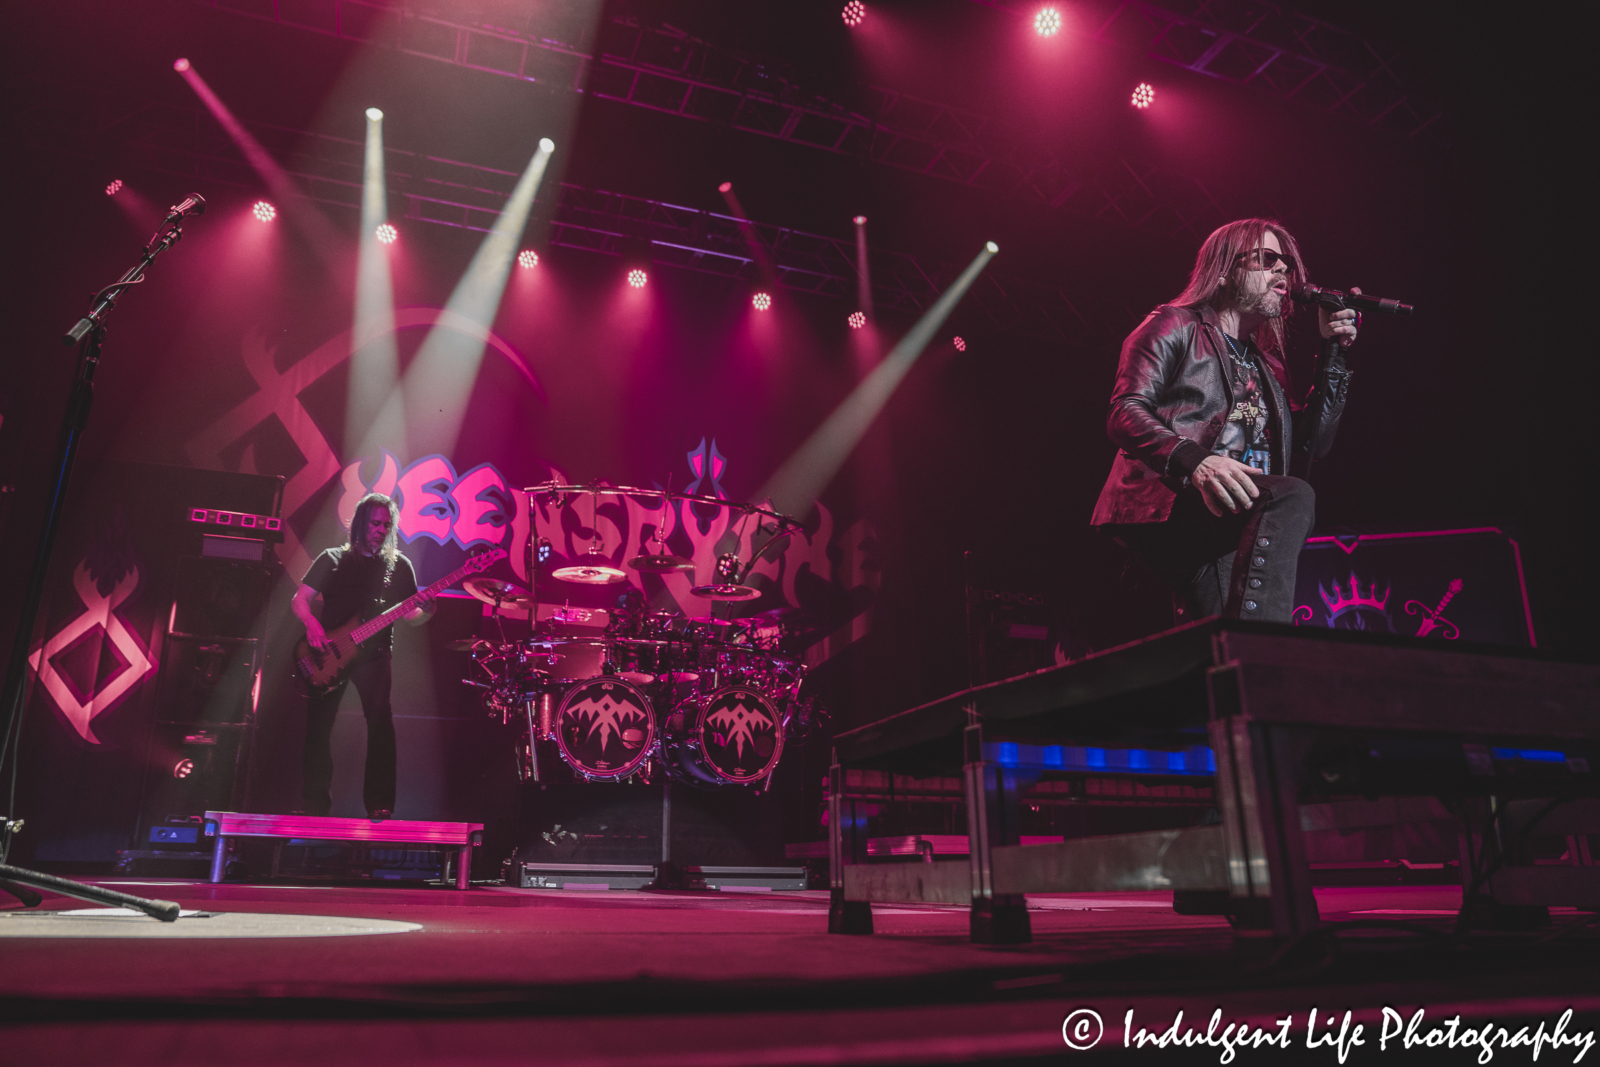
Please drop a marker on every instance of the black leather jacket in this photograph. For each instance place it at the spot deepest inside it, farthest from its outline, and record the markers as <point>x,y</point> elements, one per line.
<point>1170,403</point>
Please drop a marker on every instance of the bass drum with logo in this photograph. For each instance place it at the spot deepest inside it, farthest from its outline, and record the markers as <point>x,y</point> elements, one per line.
<point>605,729</point>
<point>730,736</point>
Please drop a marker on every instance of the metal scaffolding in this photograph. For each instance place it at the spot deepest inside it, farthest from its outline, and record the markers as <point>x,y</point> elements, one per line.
<point>1275,50</point>
<point>66,119</point>
<point>663,69</point>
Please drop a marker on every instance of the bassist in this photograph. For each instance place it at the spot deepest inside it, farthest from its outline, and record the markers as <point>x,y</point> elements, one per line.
<point>361,578</point>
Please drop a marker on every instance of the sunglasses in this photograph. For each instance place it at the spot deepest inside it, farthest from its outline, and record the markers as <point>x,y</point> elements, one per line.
<point>1266,259</point>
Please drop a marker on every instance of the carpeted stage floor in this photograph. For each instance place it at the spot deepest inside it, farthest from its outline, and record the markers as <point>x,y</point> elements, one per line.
<point>495,976</point>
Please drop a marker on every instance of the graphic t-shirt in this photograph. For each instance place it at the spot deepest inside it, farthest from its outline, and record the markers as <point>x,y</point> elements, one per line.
<point>1247,435</point>
<point>352,584</point>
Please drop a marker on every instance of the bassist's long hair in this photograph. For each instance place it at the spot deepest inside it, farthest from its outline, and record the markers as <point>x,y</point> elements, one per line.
<point>391,544</point>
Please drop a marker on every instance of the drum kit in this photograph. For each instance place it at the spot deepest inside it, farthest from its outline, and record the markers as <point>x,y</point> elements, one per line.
<point>628,693</point>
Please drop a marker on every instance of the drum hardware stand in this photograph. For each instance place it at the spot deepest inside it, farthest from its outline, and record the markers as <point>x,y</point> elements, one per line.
<point>88,333</point>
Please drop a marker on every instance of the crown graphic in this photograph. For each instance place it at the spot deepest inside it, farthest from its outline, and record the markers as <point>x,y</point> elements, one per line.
<point>1340,602</point>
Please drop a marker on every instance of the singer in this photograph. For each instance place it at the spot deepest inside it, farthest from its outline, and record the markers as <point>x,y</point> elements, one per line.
<point>1206,437</point>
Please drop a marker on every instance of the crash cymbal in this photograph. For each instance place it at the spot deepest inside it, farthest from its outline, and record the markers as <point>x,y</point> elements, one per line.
<point>590,574</point>
<point>495,591</point>
<point>728,591</point>
<point>662,564</point>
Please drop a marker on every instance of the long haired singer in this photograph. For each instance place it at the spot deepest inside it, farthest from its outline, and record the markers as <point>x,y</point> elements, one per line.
<point>1206,436</point>
<point>361,578</point>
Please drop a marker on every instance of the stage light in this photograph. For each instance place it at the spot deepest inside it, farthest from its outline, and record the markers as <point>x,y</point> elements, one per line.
<point>264,211</point>
<point>183,768</point>
<point>374,115</point>
<point>637,278</point>
<point>961,345</point>
<point>385,233</point>
<point>546,145</point>
<point>761,301</point>
<point>114,188</point>
<point>725,187</point>
<point>860,220</point>
<point>527,259</point>
<point>1047,23</point>
<point>991,248</point>
<point>1144,95</point>
<point>854,13</point>
<point>856,320</point>
<point>180,65</point>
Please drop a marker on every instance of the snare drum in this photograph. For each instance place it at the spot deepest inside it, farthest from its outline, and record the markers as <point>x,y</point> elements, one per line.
<point>567,660</point>
<point>605,729</point>
<point>731,736</point>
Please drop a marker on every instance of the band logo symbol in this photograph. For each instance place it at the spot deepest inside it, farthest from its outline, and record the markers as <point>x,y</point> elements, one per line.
<point>102,630</point>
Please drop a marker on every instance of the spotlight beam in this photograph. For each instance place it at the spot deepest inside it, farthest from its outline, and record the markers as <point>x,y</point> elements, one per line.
<point>439,383</point>
<point>763,261</point>
<point>805,474</point>
<point>374,359</point>
<point>311,222</point>
<point>863,268</point>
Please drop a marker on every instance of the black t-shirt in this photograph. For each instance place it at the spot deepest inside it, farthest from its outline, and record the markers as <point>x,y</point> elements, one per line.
<point>352,584</point>
<point>1247,435</point>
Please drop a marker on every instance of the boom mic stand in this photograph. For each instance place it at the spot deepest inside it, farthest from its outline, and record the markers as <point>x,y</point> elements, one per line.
<point>88,333</point>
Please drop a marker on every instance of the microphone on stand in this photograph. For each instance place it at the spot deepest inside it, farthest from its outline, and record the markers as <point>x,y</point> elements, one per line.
<point>1334,300</point>
<point>194,205</point>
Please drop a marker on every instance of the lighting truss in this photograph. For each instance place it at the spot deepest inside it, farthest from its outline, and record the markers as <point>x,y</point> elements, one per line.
<point>1271,48</point>
<point>663,69</point>
<point>171,139</point>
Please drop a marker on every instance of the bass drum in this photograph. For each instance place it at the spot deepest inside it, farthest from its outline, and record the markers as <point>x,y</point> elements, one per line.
<point>605,729</point>
<point>730,736</point>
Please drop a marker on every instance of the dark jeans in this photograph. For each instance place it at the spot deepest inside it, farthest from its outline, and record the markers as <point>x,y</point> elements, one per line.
<point>372,680</point>
<point>1238,566</point>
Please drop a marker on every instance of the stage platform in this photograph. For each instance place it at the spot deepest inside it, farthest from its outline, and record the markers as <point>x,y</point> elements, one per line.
<point>275,974</point>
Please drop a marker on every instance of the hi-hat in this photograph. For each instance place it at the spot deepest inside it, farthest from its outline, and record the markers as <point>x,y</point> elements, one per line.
<point>662,564</point>
<point>726,591</point>
<point>498,593</point>
<point>467,644</point>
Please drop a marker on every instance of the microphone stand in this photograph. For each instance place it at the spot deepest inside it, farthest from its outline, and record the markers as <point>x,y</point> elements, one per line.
<point>88,333</point>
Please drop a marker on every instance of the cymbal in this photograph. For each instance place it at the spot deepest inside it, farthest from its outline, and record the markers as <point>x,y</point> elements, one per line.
<point>729,591</point>
<point>653,564</point>
<point>590,574</point>
<point>496,592</point>
<point>466,644</point>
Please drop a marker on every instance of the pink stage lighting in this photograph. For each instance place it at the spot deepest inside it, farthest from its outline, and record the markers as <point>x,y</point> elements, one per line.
<point>761,301</point>
<point>180,65</point>
<point>264,211</point>
<point>385,233</point>
<point>725,187</point>
<point>637,278</point>
<point>1144,95</point>
<point>961,345</point>
<point>1047,23</point>
<point>115,187</point>
<point>860,220</point>
<point>856,320</point>
<point>527,259</point>
<point>854,13</point>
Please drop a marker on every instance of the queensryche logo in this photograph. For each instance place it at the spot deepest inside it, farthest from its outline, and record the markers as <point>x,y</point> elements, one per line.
<point>1083,1029</point>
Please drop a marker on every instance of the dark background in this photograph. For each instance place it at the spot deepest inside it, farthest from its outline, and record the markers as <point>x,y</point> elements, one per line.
<point>1472,413</point>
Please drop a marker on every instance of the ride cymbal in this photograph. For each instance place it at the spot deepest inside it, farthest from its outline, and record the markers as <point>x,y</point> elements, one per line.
<point>590,574</point>
<point>662,564</point>
<point>728,591</point>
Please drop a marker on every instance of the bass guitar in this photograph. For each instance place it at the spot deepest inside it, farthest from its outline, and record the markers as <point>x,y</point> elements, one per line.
<point>324,668</point>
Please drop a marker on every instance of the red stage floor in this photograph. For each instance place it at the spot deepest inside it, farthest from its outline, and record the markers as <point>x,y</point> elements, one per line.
<point>568,977</point>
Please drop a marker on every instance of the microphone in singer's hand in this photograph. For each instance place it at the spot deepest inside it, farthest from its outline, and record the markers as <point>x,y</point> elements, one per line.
<point>194,205</point>
<point>1334,300</point>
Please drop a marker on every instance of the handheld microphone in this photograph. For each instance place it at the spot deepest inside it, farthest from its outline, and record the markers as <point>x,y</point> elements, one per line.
<point>194,205</point>
<point>1334,300</point>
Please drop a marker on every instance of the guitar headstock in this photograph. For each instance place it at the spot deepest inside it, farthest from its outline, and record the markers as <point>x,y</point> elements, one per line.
<point>484,561</point>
